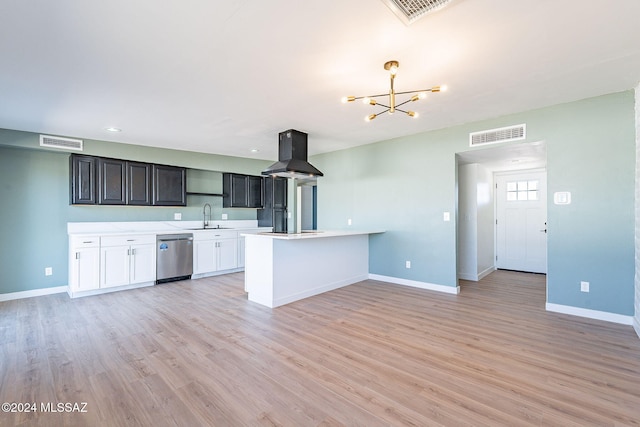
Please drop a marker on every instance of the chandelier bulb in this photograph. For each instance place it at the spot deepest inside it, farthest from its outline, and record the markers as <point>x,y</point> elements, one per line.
<point>346,99</point>
<point>370,117</point>
<point>412,114</point>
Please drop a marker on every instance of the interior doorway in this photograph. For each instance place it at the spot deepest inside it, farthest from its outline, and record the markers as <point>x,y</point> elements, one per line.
<point>476,224</point>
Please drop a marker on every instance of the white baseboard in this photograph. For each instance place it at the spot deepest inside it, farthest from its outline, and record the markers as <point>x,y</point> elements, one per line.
<point>476,277</point>
<point>33,293</point>
<point>591,314</point>
<point>101,291</point>
<point>486,272</point>
<point>416,284</point>
<point>277,302</point>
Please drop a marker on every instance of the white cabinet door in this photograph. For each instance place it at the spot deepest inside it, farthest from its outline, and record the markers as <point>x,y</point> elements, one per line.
<point>85,269</point>
<point>142,264</point>
<point>115,266</point>
<point>204,256</point>
<point>227,255</point>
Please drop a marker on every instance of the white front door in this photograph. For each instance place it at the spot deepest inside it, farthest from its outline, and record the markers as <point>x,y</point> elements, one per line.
<point>521,221</point>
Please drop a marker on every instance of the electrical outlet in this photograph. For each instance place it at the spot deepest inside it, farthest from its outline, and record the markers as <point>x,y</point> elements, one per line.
<point>446,216</point>
<point>407,264</point>
<point>177,216</point>
<point>48,271</point>
<point>349,221</point>
<point>584,286</point>
<point>225,216</point>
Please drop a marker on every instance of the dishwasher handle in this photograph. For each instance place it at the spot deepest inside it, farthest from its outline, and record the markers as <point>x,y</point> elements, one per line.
<point>174,237</point>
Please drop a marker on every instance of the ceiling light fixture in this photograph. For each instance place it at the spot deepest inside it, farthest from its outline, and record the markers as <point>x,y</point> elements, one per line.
<point>392,67</point>
<point>112,129</point>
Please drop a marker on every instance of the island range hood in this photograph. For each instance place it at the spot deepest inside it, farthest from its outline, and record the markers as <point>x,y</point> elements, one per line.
<point>292,157</point>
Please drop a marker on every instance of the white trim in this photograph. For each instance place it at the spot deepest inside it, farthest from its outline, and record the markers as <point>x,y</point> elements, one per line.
<point>101,291</point>
<point>32,293</point>
<point>636,326</point>
<point>416,284</point>
<point>591,314</point>
<point>476,277</point>
<point>277,302</point>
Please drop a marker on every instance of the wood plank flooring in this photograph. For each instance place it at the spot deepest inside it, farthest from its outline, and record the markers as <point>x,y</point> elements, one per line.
<point>197,353</point>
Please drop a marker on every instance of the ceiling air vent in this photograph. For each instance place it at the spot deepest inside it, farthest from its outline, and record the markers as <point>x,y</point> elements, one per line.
<point>492,136</point>
<point>410,10</point>
<point>59,142</point>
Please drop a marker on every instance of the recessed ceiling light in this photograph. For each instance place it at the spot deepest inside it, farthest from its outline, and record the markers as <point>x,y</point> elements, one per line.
<point>254,150</point>
<point>112,129</point>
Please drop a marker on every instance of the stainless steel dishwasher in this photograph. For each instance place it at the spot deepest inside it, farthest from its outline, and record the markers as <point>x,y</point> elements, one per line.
<point>174,257</point>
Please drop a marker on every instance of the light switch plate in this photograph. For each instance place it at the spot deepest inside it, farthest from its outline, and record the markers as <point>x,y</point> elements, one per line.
<point>446,216</point>
<point>562,198</point>
<point>225,216</point>
<point>177,216</point>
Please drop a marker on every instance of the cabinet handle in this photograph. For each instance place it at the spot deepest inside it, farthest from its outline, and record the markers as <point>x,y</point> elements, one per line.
<point>77,255</point>
<point>133,251</point>
<point>131,240</point>
<point>88,241</point>
<point>128,251</point>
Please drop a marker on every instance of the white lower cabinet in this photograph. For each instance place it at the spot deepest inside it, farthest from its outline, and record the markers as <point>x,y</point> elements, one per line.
<point>103,262</point>
<point>84,263</point>
<point>214,251</point>
<point>127,260</point>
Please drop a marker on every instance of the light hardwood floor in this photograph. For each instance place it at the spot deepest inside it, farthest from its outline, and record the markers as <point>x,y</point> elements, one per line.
<point>197,353</point>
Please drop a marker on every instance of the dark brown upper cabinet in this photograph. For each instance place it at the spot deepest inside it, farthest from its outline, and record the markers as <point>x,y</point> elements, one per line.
<point>139,184</point>
<point>241,191</point>
<point>112,182</point>
<point>169,186</point>
<point>83,180</point>
<point>104,181</point>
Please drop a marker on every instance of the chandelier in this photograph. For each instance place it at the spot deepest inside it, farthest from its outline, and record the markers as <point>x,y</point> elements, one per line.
<point>392,67</point>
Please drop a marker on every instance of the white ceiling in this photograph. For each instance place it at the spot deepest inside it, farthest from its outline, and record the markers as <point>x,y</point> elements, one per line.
<point>226,76</point>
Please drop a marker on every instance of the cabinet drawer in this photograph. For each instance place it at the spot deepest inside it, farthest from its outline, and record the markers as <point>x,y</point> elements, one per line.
<point>128,240</point>
<point>214,234</point>
<point>85,241</point>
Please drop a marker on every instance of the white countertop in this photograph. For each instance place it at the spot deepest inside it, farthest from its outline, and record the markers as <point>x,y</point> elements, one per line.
<point>158,227</point>
<point>313,234</point>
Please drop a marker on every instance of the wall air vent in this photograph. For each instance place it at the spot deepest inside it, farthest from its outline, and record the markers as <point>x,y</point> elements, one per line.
<point>410,10</point>
<point>493,136</point>
<point>59,142</point>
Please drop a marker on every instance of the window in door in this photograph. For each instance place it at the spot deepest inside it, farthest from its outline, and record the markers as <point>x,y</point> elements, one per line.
<point>518,191</point>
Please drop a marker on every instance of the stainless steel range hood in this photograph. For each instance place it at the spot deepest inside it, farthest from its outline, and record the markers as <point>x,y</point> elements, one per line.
<point>292,157</point>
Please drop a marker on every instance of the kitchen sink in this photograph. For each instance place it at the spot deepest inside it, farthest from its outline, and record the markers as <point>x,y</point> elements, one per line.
<point>210,228</point>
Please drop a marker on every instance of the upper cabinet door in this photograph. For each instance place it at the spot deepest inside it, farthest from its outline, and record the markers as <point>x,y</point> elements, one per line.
<point>238,191</point>
<point>254,194</point>
<point>111,179</point>
<point>280,193</point>
<point>169,186</point>
<point>138,184</point>
<point>83,175</point>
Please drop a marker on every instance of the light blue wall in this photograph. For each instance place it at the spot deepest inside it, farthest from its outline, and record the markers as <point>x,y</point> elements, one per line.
<point>34,202</point>
<point>404,186</point>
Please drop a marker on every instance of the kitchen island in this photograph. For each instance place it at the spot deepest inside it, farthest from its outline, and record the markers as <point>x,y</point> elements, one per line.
<point>283,268</point>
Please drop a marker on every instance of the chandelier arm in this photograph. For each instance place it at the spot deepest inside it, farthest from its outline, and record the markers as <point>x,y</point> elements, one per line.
<point>414,91</point>
<point>372,96</point>
<point>402,103</point>
<point>382,105</point>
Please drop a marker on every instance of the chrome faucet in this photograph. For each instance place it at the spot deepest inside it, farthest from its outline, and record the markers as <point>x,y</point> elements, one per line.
<point>206,217</point>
